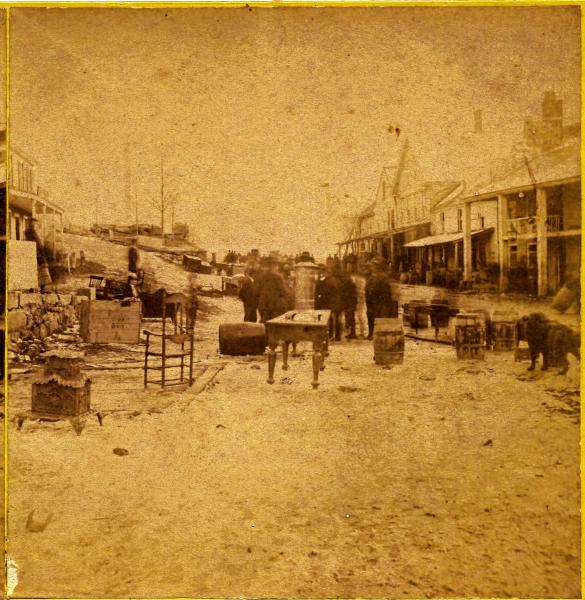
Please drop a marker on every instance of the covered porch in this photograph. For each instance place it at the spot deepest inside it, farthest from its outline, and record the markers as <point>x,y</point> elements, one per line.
<point>24,206</point>
<point>439,259</point>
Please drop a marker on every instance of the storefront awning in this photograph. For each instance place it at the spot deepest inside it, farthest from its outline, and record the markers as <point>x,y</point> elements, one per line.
<point>443,238</point>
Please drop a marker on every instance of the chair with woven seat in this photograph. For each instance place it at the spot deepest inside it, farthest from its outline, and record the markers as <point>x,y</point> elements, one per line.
<point>172,347</point>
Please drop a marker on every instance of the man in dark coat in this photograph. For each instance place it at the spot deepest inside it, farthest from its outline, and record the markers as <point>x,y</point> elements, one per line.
<point>249,296</point>
<point>273,296</point>
<point>321,290</point>
<point>133,258</point>
<point>334,288</point>
<point>378,296</point>
<point>349,300</point>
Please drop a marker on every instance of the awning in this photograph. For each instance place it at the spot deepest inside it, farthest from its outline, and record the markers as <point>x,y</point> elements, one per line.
<point>443,238</point>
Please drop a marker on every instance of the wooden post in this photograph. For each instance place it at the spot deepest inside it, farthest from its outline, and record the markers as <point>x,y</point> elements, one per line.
<point>541,242</point>
<point>502,228</point>
<point>467,265</point>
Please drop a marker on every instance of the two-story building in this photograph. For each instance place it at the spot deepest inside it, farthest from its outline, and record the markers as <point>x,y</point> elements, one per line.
<point>398,214</point>
<point>539,220</point>
<point>25,202</point>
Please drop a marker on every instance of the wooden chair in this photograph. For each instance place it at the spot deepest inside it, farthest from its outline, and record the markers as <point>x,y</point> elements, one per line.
<point>174,350</point>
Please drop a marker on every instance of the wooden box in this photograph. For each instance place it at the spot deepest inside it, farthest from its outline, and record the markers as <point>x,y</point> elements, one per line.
<point>239,339</point>
<point>107,321</point>
<point>52,398</point>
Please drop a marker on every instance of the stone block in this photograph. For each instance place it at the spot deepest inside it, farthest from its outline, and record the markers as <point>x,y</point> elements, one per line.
<point>13,300</point>
<point>88,292</point>
<point>50,299</point>
<point>28,299</point>
<point>16,320</point>
<point>65,299</point>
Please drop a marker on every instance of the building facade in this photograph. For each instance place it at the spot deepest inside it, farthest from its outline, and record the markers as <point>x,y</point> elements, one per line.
<point>539,221</point>
<point>26,200</point>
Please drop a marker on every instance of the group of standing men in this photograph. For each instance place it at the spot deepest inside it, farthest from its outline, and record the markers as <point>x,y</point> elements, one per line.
<point>361,296</point>
<point>265,292</point>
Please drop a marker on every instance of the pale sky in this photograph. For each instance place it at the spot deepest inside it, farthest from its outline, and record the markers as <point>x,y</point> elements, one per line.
<point>258,110</point>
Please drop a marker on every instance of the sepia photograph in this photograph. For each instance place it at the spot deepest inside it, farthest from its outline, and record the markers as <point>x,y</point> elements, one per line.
<point>293,301</point>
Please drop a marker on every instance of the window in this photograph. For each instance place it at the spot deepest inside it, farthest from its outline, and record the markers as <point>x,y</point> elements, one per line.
<point>532,256</point>
<point>481,253</point>
<point>442,221</point>
<point>459,219</point>
<point>513,256</point>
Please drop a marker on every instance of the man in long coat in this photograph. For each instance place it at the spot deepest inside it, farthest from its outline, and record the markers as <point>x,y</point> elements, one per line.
<point>378,296</point>
<point>273,295</point>
<point>249,296</point>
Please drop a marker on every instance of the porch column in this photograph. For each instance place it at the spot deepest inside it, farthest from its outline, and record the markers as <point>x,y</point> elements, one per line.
<point>467,265</point>
<point>44,223</point>
<point>54,235</point>
<point>541,242</point>
<point>501,232</point>
<point>61,240</point>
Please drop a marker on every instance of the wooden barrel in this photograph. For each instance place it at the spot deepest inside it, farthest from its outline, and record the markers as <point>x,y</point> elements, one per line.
<point>504,328</point>
<point>240,339</point>
<point>388,342</point>
<point>470,335</point>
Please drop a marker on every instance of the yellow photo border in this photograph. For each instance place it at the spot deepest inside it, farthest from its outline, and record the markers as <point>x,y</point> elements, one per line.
<point>180,4</point>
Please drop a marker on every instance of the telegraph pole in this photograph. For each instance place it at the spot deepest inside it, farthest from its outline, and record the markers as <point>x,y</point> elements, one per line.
<point>136,211</point>
<point>162,196</point>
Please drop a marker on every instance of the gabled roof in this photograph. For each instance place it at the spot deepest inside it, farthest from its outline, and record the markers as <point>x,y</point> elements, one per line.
<point>560,164</point>
<point>440,192</point>
<point>368,211</point>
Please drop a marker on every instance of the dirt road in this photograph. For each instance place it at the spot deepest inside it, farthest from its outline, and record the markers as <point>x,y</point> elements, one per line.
<point>435,478</point>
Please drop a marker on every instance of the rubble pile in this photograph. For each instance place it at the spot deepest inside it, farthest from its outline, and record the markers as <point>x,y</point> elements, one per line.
<point>33,319</point>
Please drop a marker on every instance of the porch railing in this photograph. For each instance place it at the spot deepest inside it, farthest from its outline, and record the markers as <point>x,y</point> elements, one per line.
<point>554,223</point>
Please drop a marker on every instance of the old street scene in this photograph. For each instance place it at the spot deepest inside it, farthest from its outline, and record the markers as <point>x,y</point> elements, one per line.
<point>294,302</point>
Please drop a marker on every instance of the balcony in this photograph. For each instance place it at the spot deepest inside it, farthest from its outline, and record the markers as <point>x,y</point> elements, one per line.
<point>521,226</point>
<point>554,223</point>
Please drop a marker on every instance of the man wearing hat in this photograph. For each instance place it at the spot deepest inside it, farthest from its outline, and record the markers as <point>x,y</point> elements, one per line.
<point>133,257</point>
<point>378,295</point>
<point>249,296</point>
<point>31,235</point>
<point>273,296</point>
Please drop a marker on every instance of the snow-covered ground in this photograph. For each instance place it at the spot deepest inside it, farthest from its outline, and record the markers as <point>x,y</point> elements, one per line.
<point>438,477</point>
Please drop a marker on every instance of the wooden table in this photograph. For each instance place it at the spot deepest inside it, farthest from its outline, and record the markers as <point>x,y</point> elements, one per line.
<point>298,326</point>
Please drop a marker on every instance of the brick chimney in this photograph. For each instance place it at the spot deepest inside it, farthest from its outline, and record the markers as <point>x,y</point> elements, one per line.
<point>552,120</point>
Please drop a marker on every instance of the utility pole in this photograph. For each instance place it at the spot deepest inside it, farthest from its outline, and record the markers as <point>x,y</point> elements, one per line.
<point>96,207</point>
<point>136,211</point>
<point>128,176</point>
<point>162,196</point>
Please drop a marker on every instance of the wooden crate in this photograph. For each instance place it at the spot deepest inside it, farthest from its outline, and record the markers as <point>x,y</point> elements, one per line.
<point>107,321</point>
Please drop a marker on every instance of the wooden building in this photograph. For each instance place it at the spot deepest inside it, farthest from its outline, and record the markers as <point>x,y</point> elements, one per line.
<point>539,220</point>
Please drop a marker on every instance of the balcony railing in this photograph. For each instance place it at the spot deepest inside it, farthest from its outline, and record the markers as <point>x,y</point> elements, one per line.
<point>554,223</point>
<point>521,226</point>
